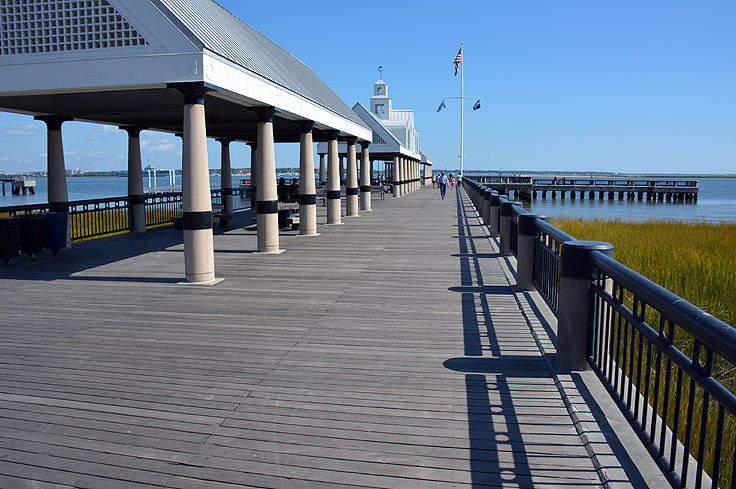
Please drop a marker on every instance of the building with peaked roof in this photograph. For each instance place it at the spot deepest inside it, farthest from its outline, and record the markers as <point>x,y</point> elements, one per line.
<point>156,64</point>
<point>393,136</point>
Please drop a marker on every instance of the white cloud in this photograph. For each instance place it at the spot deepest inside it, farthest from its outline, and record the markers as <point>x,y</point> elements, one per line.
<point>70,153</point>
<point>23,130</point>
<point>165,147</point>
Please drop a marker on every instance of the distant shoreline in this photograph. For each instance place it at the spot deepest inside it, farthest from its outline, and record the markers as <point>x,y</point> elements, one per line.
<point>595,175</point>
<point>579,175</point>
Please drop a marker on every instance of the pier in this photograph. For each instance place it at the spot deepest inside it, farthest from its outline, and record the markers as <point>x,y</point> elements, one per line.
<point>528,188</point>
<point>19,186</point>
<point>394,351</point>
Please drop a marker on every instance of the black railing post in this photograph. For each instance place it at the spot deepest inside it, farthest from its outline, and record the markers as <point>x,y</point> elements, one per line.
<point>507,214</point>
<point>574,308</point>
<point>486,206</point>
<point>495,213</point>
<point>525,250</point>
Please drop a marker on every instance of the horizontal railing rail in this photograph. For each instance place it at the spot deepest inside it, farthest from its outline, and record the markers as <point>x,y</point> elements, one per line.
<point>670,366</point>
<point>93,218</point>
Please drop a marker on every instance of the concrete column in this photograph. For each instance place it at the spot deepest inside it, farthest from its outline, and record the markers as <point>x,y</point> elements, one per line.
<point>407,176</point>
<point>57,192</point>
<point>322,173</point>
<point>525,250</point>
<point>574,307</point>
<point>366,172</point>
<point>226,181</point>
<point>396,172</point>
<point>307,189</point>
<point>267,203</point>
<point>351,184</point>
<point>342,170</point>
<point>416,175</point>
<point>136,198</point>
<point>334,210</point>
<point>253,172</point>
<point>199,257</point>
<point>404,176</point>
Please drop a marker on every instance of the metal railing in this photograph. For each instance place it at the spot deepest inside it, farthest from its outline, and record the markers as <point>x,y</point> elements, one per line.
<point>95,218</point>
<point>546,269</point>
<point>668,364</point>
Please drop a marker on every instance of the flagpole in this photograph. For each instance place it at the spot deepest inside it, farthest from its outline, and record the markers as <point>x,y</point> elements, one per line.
<point>462,103</point>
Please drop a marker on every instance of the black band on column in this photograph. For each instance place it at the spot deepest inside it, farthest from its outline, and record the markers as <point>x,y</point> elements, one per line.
<point>193,221</point>
<point>267,207</point>
<point>351,191</point>
<point>365,188</point>
<point>59,206</point>
<point>227,191</point>
<point>333,194</point>
<point>136,199</point>
<point>307,199</point>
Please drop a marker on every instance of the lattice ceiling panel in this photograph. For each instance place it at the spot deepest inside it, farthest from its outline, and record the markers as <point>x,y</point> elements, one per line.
<point>49,26</point>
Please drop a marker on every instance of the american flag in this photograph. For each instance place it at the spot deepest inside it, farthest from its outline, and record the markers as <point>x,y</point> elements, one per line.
<point>458,59</point>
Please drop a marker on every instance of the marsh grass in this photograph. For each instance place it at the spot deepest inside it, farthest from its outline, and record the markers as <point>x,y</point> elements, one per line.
<point>698,263</point>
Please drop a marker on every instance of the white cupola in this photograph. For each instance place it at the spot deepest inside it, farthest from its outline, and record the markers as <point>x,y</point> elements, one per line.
<point>380,101</point>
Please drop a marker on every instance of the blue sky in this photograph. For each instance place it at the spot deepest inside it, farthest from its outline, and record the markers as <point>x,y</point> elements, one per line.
<point>624,86</point>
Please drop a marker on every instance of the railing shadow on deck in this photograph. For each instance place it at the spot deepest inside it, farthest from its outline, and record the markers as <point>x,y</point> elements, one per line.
<point>488,394</point>
<point>503,366</point>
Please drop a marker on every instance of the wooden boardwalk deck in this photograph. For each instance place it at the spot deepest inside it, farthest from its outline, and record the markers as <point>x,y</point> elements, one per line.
<point>388,352</point>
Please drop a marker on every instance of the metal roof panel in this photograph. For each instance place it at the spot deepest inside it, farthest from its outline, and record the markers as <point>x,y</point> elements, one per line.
<point>228,36</point>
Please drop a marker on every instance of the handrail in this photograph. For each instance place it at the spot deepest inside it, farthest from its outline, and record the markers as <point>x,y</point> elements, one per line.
<point>717,335</point>
<point>552,231</point>
<point>661,357</point>
<point>91,218</point>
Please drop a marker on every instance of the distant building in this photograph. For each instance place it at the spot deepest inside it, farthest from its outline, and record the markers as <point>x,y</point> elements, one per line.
<point>400,123</point>
<point>393,131</point>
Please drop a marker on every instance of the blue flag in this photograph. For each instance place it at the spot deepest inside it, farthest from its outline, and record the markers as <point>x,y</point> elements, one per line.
<point>442,106</point>
<point>476,105</point>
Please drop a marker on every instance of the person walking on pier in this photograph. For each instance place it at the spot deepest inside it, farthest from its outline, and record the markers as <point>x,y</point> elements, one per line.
<point>442,182</point>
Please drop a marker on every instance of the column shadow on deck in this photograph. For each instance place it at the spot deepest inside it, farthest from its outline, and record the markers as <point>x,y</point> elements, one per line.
<point>105,251</point>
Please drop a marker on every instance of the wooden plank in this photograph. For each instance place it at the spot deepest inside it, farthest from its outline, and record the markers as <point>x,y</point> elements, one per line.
<point>388,352</point>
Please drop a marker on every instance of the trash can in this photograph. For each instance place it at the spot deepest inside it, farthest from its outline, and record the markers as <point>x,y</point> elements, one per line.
<point>56,230</point>
<point>32,234</point>
<point>9,238</point>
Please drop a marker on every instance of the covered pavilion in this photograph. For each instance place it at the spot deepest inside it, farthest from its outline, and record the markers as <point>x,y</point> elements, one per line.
<point>187,67</point>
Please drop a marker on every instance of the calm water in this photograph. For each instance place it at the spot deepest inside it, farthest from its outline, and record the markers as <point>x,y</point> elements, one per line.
<point>716,200</point>
<point>84,188</point>
<point>716,203</point>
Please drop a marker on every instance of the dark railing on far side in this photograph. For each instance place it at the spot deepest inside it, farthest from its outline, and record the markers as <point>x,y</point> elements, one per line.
<point>95,218</point>
<point>668,365</point>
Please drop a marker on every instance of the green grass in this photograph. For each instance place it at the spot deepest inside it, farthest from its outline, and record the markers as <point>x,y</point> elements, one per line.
<point>695,261</point>
<point>698,263</point>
